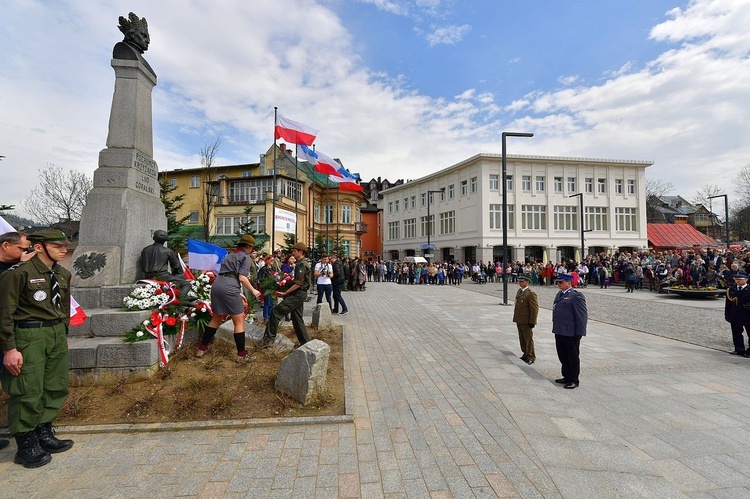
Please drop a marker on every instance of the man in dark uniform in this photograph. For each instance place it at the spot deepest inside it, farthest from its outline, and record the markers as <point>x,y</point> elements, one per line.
<point>737,312</point>
<point>34,317</point>
<point>294,300</point>
<point>161,263</point>
<point>569,320</point>
<point>525,313</point>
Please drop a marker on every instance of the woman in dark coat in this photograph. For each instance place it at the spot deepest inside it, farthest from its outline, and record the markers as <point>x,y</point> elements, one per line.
<point>227,298</point>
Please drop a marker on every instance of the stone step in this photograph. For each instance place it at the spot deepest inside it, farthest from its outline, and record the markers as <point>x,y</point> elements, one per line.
<point>109,322</point>
<point>88,353</point>
<point>104,297</point>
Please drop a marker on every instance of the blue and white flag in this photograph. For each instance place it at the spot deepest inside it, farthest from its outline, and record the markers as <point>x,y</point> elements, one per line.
<point>205,256</point>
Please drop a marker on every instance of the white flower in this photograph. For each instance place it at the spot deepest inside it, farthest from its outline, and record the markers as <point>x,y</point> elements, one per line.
<point>146,322</point>
<point>192,315</point>
<point>139,334</point>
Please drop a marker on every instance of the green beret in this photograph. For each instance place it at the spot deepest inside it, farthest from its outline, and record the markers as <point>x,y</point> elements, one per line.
<point>48,236</point>
<point>524,277</point>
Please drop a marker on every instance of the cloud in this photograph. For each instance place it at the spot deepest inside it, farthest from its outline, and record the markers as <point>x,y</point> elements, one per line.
<point>448,35</point>
<point>391,7</point>
<point>568,80</point>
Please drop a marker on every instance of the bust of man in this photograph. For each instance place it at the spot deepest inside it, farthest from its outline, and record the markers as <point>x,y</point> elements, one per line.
<point>136,40</point>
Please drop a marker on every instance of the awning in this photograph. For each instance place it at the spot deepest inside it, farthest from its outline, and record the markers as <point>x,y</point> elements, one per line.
<point>677,236</point>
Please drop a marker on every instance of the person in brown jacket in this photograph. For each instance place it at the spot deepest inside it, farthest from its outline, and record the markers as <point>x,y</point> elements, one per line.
<point>525,314</point>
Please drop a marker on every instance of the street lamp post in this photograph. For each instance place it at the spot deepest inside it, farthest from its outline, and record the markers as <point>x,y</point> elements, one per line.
<point>429,220</point>
<point>583,231</point>
<point>505,209</point>
<point>726,213</point>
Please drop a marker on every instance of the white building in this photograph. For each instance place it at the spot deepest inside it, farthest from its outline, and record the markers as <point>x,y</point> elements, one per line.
<point>543,219</point>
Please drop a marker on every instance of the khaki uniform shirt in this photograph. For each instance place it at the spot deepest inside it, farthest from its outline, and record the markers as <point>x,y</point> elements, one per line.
<point>303,274</point>
<point>26,295</point>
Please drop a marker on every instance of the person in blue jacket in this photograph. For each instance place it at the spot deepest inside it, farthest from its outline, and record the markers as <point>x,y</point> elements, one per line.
<point>569,319</point>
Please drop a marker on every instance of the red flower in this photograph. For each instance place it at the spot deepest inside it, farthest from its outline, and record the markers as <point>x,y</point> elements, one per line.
<point>176,302</point>
<point>171,321</point>
<point>158,291</point>
<point>155,318</point>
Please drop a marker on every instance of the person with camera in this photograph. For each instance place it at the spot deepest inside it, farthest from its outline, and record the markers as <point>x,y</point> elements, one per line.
<point>323,272</point>
<point>338,279</point>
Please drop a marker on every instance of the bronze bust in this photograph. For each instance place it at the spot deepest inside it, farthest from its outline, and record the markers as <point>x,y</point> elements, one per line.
<point>136,40</point>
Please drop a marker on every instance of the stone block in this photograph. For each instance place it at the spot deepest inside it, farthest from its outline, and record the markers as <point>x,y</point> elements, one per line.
<point>115,352</point>
<point>322,317</point>
<point>82,353</point>
<point>88,298</point>
<point>96,266</point>
<point>111,296</point>
<point>253,333</point>
<point>115,323</point>
<point>302,375</point>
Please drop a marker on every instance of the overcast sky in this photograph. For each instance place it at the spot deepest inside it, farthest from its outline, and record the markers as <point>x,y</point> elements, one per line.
<point>398,89</point>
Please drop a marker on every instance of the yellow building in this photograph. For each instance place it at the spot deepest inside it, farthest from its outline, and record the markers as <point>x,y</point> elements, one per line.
<point>220,198</point>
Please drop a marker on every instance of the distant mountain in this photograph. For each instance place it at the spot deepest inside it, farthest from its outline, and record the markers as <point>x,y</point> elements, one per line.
<point>16,221</point>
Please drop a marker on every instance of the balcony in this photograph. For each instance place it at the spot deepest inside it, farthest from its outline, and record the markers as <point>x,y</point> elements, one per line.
<point>235,200</point>
<point>360,228</point>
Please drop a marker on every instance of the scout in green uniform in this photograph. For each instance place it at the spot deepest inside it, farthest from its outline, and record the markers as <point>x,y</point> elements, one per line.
<point>34,316</point>
<point>294,300</point>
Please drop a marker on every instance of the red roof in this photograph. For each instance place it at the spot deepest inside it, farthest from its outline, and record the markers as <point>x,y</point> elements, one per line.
<point>677,236</point>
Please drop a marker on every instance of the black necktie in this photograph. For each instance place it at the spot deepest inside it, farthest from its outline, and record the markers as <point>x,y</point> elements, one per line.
<point>56,298</point>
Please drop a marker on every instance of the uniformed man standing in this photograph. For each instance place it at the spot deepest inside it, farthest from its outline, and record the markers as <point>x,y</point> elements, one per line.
<point>737,312</point>
<point>34,316</point>
<point>569,319</point>
<point>294,300</point>
<point>525,313</point>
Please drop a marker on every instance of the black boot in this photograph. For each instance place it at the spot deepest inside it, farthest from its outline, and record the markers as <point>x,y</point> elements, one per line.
<point>3,443</point>
<point>48,442</point>
<point>30,454</point>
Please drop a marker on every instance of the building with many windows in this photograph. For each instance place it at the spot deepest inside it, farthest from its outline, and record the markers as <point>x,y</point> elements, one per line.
<point>460,209</point>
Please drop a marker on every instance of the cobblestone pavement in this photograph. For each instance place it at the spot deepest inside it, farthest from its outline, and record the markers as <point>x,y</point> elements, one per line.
<point>443,407</point>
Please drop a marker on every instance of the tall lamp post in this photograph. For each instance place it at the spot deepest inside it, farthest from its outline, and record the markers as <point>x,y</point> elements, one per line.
<point>505,210</point>
<point>726,213</point>
<point>429,220</point>
<point>583,231</point>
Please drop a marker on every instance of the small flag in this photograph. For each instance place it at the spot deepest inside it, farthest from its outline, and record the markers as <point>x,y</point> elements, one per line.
<point>5,227</point>
<point>205,256</point>
<point>294,131</point>
<point>185,270</point>
<point>77,315</point>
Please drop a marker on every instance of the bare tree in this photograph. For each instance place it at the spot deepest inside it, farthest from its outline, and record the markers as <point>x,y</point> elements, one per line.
<point>655,188</point>
<point>59,196</point>
<point>704,193</point>
<point>743,184</point>
<point>208,199</point>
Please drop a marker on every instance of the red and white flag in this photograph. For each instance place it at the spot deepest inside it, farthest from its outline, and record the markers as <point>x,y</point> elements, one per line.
<point>294,131</point>
<point>77,315</point>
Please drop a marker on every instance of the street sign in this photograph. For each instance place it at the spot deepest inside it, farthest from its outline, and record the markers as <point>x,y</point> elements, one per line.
<point>429,255</point>
<point>427,246</point>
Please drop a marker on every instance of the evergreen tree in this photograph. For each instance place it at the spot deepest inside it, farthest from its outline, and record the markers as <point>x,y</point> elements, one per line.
<point>172,204</point>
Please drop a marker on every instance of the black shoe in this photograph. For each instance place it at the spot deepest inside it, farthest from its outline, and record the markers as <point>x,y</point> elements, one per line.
<point>529,361</point>
<point>571,385</point>
<point>562,381</point>
<point>334,313</point>
<point>266,343</point>
<point>3,443</point>
<point>741,354</point>
<point>344,312</point>
<point>30,454</point>
<point>49,442</point>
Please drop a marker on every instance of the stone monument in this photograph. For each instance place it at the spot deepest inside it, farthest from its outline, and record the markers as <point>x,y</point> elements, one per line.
<point>124,206</point>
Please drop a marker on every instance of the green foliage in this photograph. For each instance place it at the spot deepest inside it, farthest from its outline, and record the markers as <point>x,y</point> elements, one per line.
<point>289,241</point>
<point>6,207</point>
<point>320,246</point>
<point>172,204</point>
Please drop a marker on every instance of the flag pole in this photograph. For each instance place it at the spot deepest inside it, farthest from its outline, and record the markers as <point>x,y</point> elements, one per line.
<point>297,190</point>
<point>273,209</point>
<point>312,241</point>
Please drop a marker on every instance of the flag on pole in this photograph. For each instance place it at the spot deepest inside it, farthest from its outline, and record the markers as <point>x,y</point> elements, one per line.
<point>306,154</point>
<point>345,180</point>
<point>205,256</point>
<point>5,227</point>
<point>185,270</point>
<point>321,163</point>
<point>294,131</point>
<point>77,315</point>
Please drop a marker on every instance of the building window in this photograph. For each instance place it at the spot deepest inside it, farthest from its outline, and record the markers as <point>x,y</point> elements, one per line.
<point>618,186</point>
<point>631,186</point>
<point>533,217</point>
<point>195,181</point>
<point>558,184</point>
<point>249,191</point>
<point>448,222</point>
<point>494,182</point>
<point>390,206</point>
<point>625,219</point>
<point>316,213</point>
<point>392,230</point>
<point>410,228</point>
<point>601,184</point>
<point>540,184</point>
<point>247,174</point>
<point>406,204</point>
<point>496,217</point>
<point>588,185</point>
<point>413,202</point>
<point>596,218</point>
<point>451,191</point>
<point>566,218</point>
<point>395,206</point>
<point>328,212</point>
<point>442,194</point>
<point>526,183</point>
<point>473,185</point>
<point>346,214</point>
<point>346,248</point>
<point>193,217</point>
<point>423,226</point>
<point>423,198</point>
<point>571,184</point>
<point>292,190</point>
<point>464,187</point>
<point>509,182</point>
<point>229,226</point>
<point>173,182</point>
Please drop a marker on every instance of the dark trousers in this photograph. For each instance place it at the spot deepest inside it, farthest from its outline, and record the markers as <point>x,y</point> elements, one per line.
<point>737,338</point>
<point>526,339</point>
<point>292,305</point>
<point>325,289</point>
<point>568,348</point>
<point>337,299</point>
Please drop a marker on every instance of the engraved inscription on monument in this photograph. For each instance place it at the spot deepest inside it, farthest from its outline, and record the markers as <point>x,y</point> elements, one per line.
<point>146,180</point>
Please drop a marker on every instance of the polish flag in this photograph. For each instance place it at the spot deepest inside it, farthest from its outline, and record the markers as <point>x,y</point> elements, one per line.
<point>327,165</point>
<point>294,131</point>
<point>77,315</point>
<point>188,273</point>
<point>346,181</point>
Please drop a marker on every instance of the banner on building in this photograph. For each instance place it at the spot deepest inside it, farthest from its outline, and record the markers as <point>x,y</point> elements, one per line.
<point>286,221</point>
